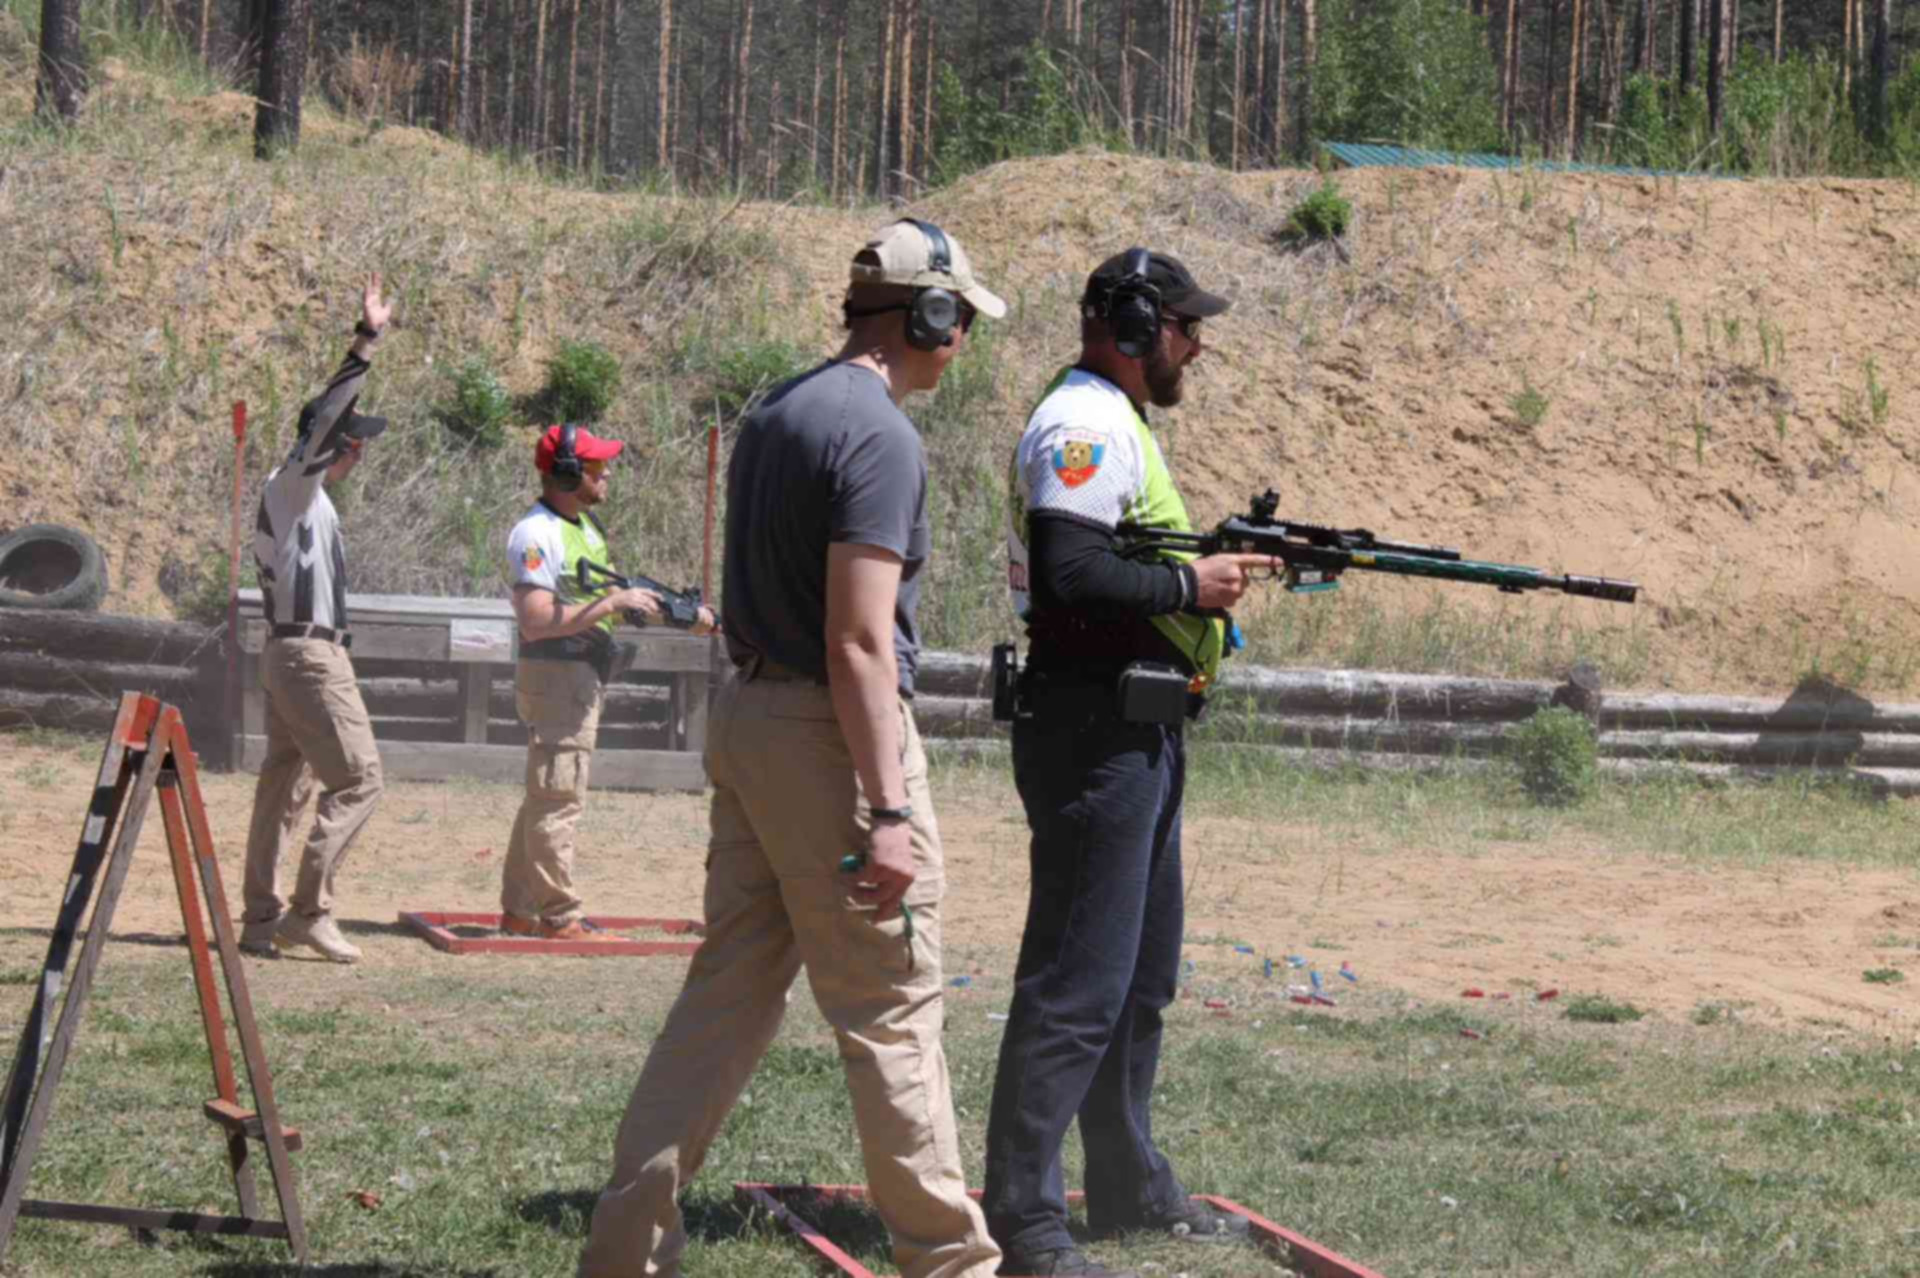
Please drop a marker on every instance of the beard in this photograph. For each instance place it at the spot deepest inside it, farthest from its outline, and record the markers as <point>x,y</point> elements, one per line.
<point>1164,379</point>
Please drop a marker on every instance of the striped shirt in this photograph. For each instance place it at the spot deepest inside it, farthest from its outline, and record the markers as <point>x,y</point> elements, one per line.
<point>296,535</point>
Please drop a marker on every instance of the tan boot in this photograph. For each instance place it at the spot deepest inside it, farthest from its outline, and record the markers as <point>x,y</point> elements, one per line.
<point>318,932</point>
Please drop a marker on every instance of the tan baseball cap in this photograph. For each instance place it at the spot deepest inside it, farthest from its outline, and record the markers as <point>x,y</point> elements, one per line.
<point>921,255</point>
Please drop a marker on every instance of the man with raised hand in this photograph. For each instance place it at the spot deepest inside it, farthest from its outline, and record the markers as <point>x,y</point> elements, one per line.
<point>317,725</point>
<point>1099,760</point>
<point>814,756</point>
<point>566,657</point>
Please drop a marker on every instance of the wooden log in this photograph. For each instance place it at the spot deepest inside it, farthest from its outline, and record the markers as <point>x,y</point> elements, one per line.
<point>21,708</point>
<point>1797,749</point>
<point>1756,714</point>
<point>956,718</point>
<point>105,679</point>
<point>953,674</point>
<point>1370,695</point>
<point>441,760</point>
<point>441,698</point>
<point>1337,732</point>
<point>96,636</point>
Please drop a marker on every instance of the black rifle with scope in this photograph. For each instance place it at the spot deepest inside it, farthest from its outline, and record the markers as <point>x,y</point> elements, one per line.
<point>682,607</point>
<point>1315,556</point>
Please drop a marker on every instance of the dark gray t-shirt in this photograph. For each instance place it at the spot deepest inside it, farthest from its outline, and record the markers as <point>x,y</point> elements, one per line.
<point>827,457</point>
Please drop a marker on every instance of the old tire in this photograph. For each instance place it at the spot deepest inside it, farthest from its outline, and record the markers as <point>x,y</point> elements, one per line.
<point>51,566</point>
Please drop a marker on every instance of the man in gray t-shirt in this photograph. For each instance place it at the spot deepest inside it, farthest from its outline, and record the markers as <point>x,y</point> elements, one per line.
<point>828,458</point>
<point>814,755</point>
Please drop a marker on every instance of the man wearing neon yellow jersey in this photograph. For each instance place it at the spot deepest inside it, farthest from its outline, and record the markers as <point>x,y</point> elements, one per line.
<point>566,657</point>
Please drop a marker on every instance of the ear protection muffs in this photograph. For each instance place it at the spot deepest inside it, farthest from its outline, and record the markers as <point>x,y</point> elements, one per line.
<point>1133,307</point>
<point>934,312</point>
<point>567,471</point>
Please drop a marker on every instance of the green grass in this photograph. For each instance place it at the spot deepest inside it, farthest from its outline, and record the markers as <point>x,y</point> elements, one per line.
<point>477,1098</point>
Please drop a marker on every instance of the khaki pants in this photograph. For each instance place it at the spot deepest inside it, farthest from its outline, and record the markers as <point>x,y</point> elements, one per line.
<point>317,727</point>
<point>559,701</point>
<point>786,808</point>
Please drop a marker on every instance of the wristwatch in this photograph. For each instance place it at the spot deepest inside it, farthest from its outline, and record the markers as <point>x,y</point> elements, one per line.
<point>366,330</point>
<point>902,813</point>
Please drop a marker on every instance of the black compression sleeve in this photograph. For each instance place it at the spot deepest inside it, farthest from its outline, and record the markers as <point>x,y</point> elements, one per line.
<point>1074,567</point>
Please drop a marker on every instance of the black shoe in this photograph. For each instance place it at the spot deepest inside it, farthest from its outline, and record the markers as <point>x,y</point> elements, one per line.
<point>1191,1221</point>
<point>1063,1262</point>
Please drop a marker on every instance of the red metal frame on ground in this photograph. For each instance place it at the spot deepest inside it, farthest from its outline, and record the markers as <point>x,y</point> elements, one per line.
<point>435,928</point>
<point>1303,1255</point>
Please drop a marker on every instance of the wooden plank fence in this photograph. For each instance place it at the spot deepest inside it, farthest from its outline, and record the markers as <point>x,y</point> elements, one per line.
<point>437,678</point>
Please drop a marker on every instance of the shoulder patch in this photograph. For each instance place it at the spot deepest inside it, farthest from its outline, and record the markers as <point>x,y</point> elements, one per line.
<point>1077,458</point>
<point>534,559</point>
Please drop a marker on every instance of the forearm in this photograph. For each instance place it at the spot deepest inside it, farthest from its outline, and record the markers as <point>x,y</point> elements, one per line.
<point>552,619</point>
<point>1074,567</point>
<point>863,679</point>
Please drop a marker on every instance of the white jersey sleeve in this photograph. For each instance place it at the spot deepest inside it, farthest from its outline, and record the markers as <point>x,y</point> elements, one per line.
<point>535,555</point>
<point>1080,454</point>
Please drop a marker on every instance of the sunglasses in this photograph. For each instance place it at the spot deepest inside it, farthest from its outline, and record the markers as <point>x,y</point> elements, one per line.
<point>595,468</point>
<point>1189,325</point>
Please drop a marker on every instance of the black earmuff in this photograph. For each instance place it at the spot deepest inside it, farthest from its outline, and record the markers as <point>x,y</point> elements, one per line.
<point>934,312</point>
<point>567,471</point>
<point>1133,307</point>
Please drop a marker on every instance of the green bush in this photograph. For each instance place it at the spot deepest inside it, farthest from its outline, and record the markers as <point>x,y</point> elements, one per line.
<point>1415,72</point>
<point>1323,215</point>
<point>582,379</point>
<point>479,408</point>
<point>744,371</point>
<point>1530,405</point>
<point>1556,756</point>
<point>1597,1009</point>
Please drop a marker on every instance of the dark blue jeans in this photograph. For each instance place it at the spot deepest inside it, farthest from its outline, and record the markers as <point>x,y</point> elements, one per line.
<point>1098,964</point>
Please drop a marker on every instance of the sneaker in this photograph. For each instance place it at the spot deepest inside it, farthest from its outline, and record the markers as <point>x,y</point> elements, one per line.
<point>256,937</point>
<point>573,930</point>
<point>518,925</point>
<point>318,932</point>
<point>1191,1221</point>
<point>1058,1263</point>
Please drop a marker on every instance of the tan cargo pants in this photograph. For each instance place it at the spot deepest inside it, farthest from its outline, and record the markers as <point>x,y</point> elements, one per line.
<point>559,701</point>
<point>786,807</point>
<point>317,727</point>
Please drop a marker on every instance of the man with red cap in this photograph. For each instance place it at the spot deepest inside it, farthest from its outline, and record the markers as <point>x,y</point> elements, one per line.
<point>566,656</point>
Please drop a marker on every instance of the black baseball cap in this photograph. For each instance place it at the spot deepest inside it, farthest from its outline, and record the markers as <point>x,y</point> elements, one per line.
<point>349,425</point>
<point>1179,292</point>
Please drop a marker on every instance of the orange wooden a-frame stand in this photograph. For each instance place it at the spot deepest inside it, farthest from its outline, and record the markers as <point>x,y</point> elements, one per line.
<point>148,751</point>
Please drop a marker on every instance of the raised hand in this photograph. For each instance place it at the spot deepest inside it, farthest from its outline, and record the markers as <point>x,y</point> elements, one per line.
<point>377,312</point>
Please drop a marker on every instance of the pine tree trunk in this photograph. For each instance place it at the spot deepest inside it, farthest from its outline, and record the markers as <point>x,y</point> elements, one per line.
<point>1277,11</point>
<point>283,78</point>
<point>1715,64</point>
<point>537,109</point>
<point>881,156</point>
<point>1510,71</point>
<point>1239,81</point>
<point>1576,41</point>
<point>1685,19</point>
<point>904,129</point>
<point>463,107</point>
<point>1309,51</point>
<point>1882,69</point>
<point>1846,50</point>
<point>1126,72</point>
<point>1549,87</point>
<point>743,84</point>
<point>573,88</point>
<point>926,113</point>
<point>1257,141</point>
<point>813,112</point>
<point>662,155</point>
<point>206,24</point>
<point>611,159</point>
<point>1779,29</point>
<point>62,81</point>
<point>838,168</point>
<point>597,130</point>
<point>513,73</point>
<point>1643,43</point>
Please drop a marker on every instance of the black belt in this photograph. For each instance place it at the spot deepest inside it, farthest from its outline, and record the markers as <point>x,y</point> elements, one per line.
<point>571,648</point>
<point>1080,700</point>
<point>754,667</point>
<point>340,637</point>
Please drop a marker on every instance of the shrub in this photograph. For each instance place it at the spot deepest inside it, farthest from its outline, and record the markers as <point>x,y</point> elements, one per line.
<point>744,371</point>
<point>1556,756</point>
<point>479,408</point>
<point>1596,1009</point>
<point>1530,405</point>
<point>1883,976</point>
<point>1323,215</point>
<point>582,379</point>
